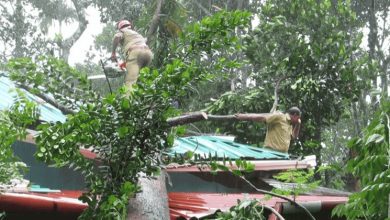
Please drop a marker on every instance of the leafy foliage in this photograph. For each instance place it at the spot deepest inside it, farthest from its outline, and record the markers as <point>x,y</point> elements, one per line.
<point>246,209</point>
<point>371,166</point>
<point>13,124</point>
<point>305,45</point>
<point>117,10</point>
<point>19,38</point>
<point>243,100</point>
<point>303,179</point>
<point>128,133</point>
<point>49,75</point>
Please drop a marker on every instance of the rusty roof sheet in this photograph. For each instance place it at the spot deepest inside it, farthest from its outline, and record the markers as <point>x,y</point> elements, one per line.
<point>189,205</point>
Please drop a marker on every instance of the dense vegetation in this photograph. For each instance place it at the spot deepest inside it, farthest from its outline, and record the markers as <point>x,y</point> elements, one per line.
<point>307,53</point>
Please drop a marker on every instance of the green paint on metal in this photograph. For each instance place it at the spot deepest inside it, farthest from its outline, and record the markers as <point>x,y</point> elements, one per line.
<point>38,188</point>
<point>8,94</point>
<point>223,146</point>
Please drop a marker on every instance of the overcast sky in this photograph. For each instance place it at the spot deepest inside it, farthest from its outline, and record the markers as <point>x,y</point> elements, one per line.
<point>79,50</point>
<point>81,47</point>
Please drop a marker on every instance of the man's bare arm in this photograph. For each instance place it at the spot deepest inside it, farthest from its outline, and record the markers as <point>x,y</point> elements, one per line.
<point>115,44</point>
<point>296,129</point>
<point>252,117</point>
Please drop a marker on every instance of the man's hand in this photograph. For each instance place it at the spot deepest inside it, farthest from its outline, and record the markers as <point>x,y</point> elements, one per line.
<point>123,65</point>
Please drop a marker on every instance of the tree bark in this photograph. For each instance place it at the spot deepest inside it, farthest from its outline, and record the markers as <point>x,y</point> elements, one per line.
<point>155,20</point>
<point>18,13</point>
<point>67,44</point>
<point>200,116</point>
<point>152,202</point>
<point>372,44</point>
<point>188,118</point>
<point>222,117</point>
<point>205,10</point>
<point>275,105</point>
<point>50,100</point>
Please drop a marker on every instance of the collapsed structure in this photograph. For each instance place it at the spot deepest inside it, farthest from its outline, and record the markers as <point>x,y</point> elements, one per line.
<point>192,193</point>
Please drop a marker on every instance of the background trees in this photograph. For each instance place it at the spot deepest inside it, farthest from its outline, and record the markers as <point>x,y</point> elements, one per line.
<point>26,25</point>
<point>129,134</point>
<point>371,166</point>
<point>303,48</point>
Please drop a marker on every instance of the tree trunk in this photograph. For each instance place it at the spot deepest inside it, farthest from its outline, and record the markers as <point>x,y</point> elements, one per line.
<point>152,202</point>
<point>318,138</point>
<point>372,44</point>
<point>67,44</point>
<point>188,118</point>
<point>155,20</point>
<point>18,14</point>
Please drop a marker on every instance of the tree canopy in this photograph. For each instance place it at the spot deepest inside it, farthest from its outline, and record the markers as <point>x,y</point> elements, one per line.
<point>209,57</point>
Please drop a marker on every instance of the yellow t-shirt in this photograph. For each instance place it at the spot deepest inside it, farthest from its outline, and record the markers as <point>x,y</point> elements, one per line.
<point>279,131</point>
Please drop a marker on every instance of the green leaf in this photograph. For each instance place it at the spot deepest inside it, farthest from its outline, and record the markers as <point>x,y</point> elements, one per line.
<point>237,172</point>
<point>250,167</point>
<point>123,131</point>
<point>125,104</point>
<point>377,138</point>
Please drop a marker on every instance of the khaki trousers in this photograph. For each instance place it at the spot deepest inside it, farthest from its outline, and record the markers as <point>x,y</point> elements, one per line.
<point>136,59</point>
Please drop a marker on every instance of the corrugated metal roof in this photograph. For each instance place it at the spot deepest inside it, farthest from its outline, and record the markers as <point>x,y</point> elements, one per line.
<point>8,94</point>
<point>221,146</point>
<point>224,147</point>
<point>197,205</point>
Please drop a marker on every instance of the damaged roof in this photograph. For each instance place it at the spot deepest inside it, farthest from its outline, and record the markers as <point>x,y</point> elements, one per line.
<point>222,146</point>
<point>8,95</point>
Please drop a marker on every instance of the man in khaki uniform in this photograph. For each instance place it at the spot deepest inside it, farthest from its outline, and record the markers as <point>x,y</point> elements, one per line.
<point>281,127</point>
<point>135,50</point>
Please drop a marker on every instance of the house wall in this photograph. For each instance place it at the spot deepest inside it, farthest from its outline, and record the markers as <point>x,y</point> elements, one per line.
<point>41,174</point>
<point>222,182</point>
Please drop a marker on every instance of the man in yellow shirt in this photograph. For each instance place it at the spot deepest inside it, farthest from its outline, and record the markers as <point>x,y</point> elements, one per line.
<point>281,127</point>
<point>135,50</point>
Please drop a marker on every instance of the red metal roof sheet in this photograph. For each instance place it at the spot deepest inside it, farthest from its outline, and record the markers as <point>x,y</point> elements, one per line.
<point>265,165</point>
<point>64,204</point>
<point>190,205</point>
<point>186,205</point>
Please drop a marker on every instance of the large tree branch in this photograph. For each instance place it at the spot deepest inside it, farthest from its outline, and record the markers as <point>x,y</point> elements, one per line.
<point>49,100</point>
<point>279,196</point>
<point>69,42</point>
<point>175,121</point>
<point>200,116</point>
<point>222,117</point>
<point>186,119</point>
<point>207,12</point>
<point>155,20</point>
<point>275,105</point>
<point>239,117</point>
